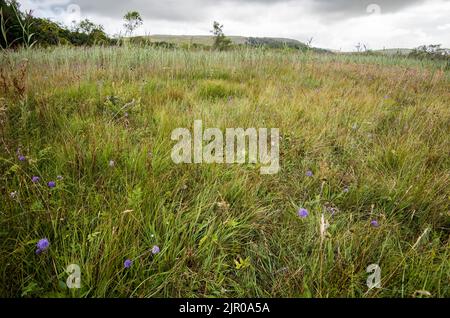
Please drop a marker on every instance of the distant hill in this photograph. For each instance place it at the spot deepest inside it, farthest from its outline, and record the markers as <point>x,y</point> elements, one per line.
<point>208,40</point>
<point>396,51</point>
<point>270,42</point>
<point>193,39</point>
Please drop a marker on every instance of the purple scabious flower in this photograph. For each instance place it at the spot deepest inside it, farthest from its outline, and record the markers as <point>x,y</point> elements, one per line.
<point>309,173</point>
<point>35,179</point>
<point>374,223</point>
<point>302,212</point>
<point>21,158</point>
<point>42,245</point>
<point>155,249</point>
<point>127,263</point>
<point>51,184</point>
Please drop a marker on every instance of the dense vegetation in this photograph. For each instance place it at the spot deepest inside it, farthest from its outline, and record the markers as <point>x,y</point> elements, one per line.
<point>85,163</point>
<point>22,29</point>
<point>87,177</point>
<point>431,52</point>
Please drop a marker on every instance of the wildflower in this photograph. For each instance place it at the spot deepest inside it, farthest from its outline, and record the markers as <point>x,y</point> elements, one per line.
<point>303,213</point>
<point>35,179</point>
<point>51,184</point>
<point>21,158</point>
<point>111,163</point>
<point>309,173</point>
<point>42,245</point>
<point>13,195</point>
<point>155,249</point>
<point>127,263</point>
<point>59,177</point>
<point>374,223</point>
<point>346,189</point>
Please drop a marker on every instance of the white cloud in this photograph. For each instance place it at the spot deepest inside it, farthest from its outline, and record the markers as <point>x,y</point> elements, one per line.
<point>443,27</point>
<point>337,24</point>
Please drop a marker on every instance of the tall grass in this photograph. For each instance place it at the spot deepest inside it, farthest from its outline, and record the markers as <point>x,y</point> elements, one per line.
<point>375,126</point>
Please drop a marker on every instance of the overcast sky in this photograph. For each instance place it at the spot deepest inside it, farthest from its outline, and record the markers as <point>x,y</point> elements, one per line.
<point>334,24</point>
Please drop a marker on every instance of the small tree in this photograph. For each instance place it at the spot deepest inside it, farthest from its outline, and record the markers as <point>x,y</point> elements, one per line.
<point>87,26</point>
<point>221,42</point>
<point>133,21</point>
<point>433,52</point>
<point>91,33</point>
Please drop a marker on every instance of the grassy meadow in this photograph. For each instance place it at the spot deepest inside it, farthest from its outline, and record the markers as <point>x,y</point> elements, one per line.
<point>373,130</point>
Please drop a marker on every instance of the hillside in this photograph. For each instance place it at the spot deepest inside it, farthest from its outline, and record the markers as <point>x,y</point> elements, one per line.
<point>395,51</point>
<point>208,40</point>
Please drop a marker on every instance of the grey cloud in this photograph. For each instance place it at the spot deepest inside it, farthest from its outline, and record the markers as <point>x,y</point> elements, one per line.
<point>171,10</point>
<point>198,10</point>
<point>342,9</point>
<point>327,20</point>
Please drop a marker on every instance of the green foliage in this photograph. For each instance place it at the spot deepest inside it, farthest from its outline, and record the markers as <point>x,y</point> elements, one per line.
<point>20,28</point>
<point>10,26</point>
<point>87,26</point>
<point>146,41</point>
<point>48,33</point>
<point>15,25</point>
<point>276,43</point>
<point>432,52</point>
